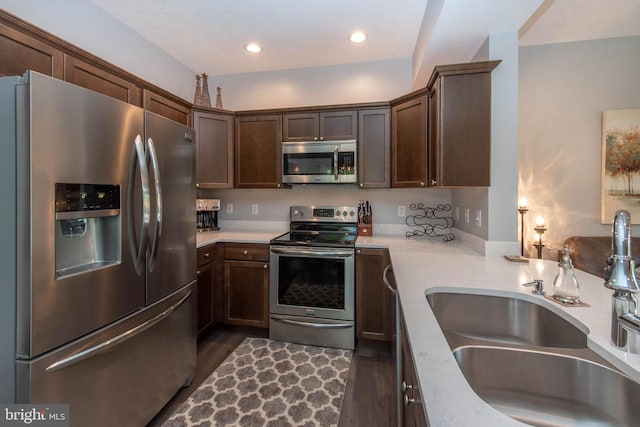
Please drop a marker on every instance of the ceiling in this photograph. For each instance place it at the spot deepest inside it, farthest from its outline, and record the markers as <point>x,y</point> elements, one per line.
<point>210,35</point>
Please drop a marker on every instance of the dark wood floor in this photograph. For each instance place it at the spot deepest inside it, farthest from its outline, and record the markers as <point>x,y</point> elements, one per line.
<point>368,397</point>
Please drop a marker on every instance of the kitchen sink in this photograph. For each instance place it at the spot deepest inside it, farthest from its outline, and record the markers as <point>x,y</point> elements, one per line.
<point>471,319</point>
<point>549,389</point>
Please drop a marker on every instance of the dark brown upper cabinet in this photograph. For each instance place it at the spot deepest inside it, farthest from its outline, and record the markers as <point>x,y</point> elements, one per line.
<point>374,148</point>
<point>409,140</point>
<point>258,151</point>
<point>91,77</point>
<point>323,126</point>
<point>214,149</point>
<point>459,137</point>
<point>20,53</point>
<point>167,107</point>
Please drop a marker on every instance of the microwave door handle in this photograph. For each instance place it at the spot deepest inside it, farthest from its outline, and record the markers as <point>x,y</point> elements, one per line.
<point>335,163</point>
<point>153,157</point>
<point>139,252</point>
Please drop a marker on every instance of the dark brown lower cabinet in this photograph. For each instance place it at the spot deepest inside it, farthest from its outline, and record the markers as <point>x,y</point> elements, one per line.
<point>413,412</point>
<point>246,285</point>
<point>208,288</point>
<point>374,301</point>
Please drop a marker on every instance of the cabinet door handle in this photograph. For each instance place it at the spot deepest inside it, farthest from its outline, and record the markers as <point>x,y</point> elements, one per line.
<point>198,273</point>
<point>406,386</point>
<point>206,255</point>
<point>245,252</point>
<point>266,266</point>
<point>408,401</point>
<point>422,184</point>
<point>387,269</point>
<point>434,182</point>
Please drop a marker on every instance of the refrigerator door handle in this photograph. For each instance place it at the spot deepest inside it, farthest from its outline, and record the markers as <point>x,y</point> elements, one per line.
<point>138,158</point>
<point>153,157</point>
<point>107,345</point>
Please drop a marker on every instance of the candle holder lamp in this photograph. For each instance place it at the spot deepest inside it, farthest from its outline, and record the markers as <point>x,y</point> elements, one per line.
<point>540,229</point>
<point>522,210</point>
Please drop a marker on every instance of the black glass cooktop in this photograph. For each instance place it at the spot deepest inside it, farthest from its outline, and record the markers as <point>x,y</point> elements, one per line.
<point>313,234</point>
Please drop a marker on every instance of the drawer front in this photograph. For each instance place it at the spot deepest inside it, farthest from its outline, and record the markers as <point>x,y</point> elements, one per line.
<point>206,254</point>
<point>246,252</point>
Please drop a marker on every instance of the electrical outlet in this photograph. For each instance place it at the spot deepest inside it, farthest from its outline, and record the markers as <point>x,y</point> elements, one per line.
<point>466,215</point>
<point>229,208</point>
<point>254,209</point>
<point>402,210</point>
<point>456,213</point>
<point>479,218</point>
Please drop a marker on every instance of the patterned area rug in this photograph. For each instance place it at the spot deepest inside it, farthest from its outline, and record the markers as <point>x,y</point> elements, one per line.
<point>270,383</point>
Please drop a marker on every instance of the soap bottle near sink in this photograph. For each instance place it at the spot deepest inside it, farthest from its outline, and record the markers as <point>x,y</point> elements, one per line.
<point>565,284</point>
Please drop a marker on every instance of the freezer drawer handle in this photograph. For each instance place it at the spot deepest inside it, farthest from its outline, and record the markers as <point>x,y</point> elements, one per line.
<point>107,345</point>
<point>153,157</point>
<point>139,252</point>
<point>312,324</point>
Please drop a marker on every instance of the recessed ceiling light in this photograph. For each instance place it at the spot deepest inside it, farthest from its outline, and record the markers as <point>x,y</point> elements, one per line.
<point>253,48</point>
<point>357,37</point>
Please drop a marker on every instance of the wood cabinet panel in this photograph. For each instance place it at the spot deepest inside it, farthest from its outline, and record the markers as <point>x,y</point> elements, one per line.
<point>207,254</point>
<point>91,77</point>
<point>374,148</point>
<point>246,293</point>
<point>300,127</point>
<point>205,286</point>
<point>338,125</point>
<point>166,107</point>
<point>21,53</point>
<point>258,158</point>
<point>409,143</point>
<point>214,149</point>
<point>374,301</point>
<point>414,414</point>
<point>459,140</point>
<point>246,251</point>
<point>208,287</point>
<point>320,126</point>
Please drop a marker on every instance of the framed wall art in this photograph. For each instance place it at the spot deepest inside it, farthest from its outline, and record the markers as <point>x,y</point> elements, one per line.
<point>620,187</point>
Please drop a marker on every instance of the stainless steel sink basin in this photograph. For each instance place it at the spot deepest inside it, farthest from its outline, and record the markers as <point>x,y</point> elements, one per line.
<point>546,389</point>
<point>469,318</point>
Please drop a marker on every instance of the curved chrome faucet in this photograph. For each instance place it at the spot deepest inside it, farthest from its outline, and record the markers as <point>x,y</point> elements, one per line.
<point>620,276</point>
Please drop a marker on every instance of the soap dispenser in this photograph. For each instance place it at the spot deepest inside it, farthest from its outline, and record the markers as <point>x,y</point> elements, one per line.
<point>565,285</point>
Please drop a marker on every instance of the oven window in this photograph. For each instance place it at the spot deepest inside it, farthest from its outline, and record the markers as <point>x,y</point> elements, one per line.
<point>311,282</point>
<point>308,164</point>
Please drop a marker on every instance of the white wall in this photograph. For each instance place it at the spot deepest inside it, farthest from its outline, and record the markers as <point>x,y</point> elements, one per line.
<point>498,203</point>
<point>83,24</point>
<point>564,89</point>
<point>338,84</point>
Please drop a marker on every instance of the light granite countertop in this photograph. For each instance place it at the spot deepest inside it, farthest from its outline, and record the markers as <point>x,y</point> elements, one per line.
<point>424,266</point>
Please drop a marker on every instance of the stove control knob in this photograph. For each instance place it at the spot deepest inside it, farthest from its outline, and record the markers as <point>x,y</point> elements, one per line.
<point>337,213</point>
<point>296,212</point>
<point>344,213</point>
<point>352,213</point>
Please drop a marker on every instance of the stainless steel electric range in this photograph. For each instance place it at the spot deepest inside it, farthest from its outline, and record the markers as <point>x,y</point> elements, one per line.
<point>312,277</point>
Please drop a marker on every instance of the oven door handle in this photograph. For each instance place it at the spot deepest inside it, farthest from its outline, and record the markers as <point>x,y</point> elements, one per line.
<point>313,252</point>
<point>335,163</point>
<point>312,324</point>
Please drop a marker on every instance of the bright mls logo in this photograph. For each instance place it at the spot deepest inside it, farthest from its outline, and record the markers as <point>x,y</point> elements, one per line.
<point>34,415</point>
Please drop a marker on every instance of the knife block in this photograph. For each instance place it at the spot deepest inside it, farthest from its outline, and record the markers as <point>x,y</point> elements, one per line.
<point>366,229</point>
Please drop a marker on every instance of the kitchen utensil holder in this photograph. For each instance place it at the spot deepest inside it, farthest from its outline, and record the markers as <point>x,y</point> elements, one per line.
<point>366,229</point>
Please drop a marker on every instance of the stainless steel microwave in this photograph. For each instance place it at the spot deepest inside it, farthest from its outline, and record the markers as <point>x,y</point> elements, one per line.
<point>319,162</point>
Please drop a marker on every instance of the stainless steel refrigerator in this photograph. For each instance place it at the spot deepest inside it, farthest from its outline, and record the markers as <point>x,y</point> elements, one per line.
<point>97,253</point>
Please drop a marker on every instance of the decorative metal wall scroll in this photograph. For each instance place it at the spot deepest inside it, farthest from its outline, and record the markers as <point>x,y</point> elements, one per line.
<point>430,222</point>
